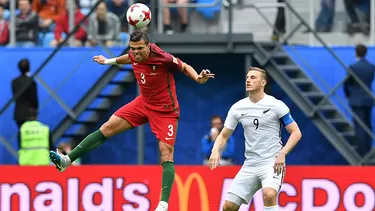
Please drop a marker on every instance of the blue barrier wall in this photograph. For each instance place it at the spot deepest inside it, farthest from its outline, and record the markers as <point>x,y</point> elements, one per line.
<point>198,104</point>
<point>70,74</point>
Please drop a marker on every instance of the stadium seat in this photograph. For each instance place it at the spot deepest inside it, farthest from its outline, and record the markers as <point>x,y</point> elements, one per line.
<point>40,38</point>
<point>85,11</point>
<point>48,37</point>
<point>208,12</point>
<point>6,14</point>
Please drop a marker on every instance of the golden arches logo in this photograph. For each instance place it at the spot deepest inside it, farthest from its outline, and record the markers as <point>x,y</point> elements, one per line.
<point>184,191</point>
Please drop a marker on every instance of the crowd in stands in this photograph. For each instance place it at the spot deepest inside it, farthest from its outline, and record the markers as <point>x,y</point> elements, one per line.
<point>46,22</point>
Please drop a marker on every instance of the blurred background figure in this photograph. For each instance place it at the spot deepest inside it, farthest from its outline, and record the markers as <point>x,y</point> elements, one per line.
<point>359,100</point>
<point>4,29</point>
<point>62,26</point>
<point>104,26</point>
<point>119,8</point>
<point>49,12</point>
<point>35,142</point>
<point>29,97</point>
<point>326,15</point>
<point>5,3</point>
<point>27,25</point>
<point>184,18</point>
<point>208,140</point>
<point>279,27</point>
<point>359,16</point>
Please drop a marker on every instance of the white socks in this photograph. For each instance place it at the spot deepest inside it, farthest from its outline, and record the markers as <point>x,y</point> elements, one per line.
<point>273,208</point>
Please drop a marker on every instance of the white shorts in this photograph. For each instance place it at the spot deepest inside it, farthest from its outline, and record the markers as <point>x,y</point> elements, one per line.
<point>250,179</point>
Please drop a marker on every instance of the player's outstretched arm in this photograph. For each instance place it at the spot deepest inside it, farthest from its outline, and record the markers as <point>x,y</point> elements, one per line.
<point>191,73</point>
<point>124,59</point>
<point>220,142</point>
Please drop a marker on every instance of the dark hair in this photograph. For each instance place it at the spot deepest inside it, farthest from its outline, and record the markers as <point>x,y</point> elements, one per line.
<point>138,36</point>
<point>2,6</point>
<point>77,2</point>
<point>217,117</point>
<point>32,113</point>
<point>361,50</point>
<point>265,77</point>
<point>24,66</point>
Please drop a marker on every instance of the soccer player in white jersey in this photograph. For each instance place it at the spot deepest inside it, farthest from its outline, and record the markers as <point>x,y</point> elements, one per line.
<point>262,117</point>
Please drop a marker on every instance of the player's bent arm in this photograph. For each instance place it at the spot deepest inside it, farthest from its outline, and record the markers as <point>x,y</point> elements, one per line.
<point>295,136</point>
<point>222,139</point>
<point>189,71</point>
<point>124,59</point>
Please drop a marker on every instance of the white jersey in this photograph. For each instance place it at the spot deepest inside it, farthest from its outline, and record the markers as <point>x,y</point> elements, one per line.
<point>262,127</point>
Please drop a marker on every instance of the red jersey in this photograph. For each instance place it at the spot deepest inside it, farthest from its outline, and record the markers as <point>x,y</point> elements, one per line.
<point>155,79</point>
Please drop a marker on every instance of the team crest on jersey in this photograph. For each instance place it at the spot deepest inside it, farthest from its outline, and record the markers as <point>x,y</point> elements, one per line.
<point>153,69</point>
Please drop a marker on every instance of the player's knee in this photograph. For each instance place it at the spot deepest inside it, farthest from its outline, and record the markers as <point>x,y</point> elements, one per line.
<point>166,155</point>
<point>269,196</point>
<point>107,129</point>
<point>166,152</point>
<point>230,206</point>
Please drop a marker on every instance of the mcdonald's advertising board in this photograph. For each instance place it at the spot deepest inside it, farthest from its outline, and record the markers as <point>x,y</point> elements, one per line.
<point>196,188</point>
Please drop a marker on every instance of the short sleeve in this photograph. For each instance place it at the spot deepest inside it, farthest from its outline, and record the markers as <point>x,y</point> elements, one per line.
<point>281,109</point>
<point>231,121</point>
<point>172,62</point>
<point>283,113</point>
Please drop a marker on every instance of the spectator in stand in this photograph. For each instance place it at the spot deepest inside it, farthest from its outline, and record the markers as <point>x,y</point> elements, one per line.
<point>208,141</point>
<point>183,15</point>
<point>119,7</point>
<point>49,11</point>
<point>5,3</point>
<point>4,30</point>
<point>62,26</point>
<point>356,25</point>
<point>324,21</point>
<point>27,23</point>
<point>104,26</point>
<point>279,27</point>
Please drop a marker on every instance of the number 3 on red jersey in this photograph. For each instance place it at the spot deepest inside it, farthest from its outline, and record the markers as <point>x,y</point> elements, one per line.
<point>143,78</point>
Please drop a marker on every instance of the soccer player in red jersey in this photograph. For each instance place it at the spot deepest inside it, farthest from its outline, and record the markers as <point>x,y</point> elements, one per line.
<point>157,104</point>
